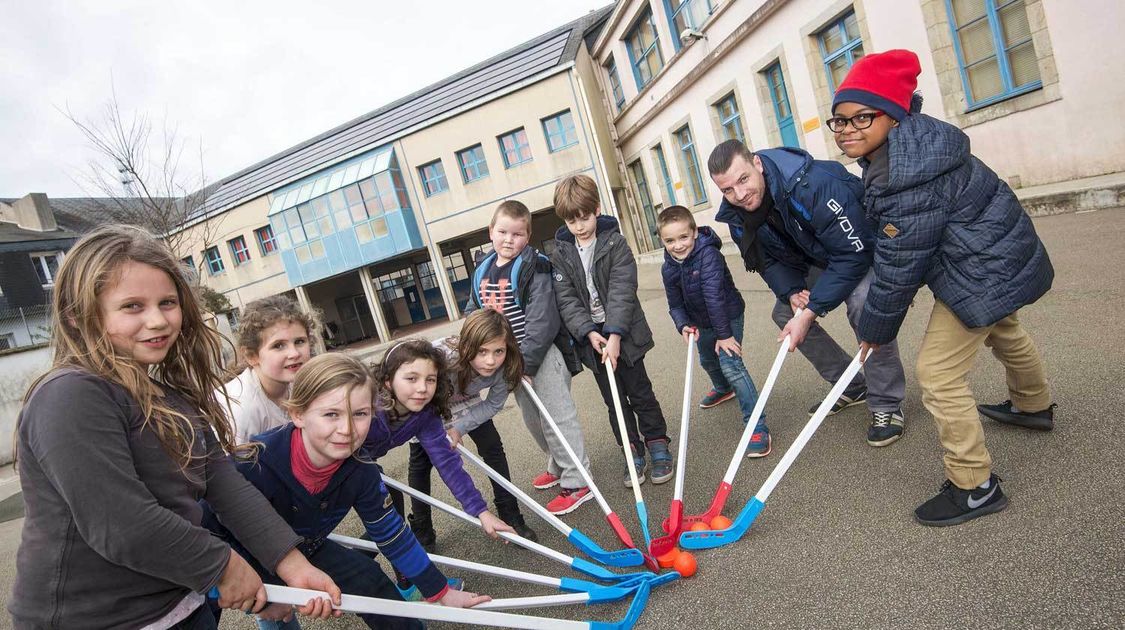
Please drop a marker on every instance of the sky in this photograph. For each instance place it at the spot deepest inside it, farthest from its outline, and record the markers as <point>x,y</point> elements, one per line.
<point>242,80</point>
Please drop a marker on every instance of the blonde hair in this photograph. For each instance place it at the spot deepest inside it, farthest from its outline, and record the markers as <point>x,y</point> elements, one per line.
<point>576,197</point>
<point>193,365</point>
<point>325,373</point>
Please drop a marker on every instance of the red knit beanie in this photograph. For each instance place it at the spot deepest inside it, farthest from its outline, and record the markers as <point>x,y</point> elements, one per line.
<point>885,81</point>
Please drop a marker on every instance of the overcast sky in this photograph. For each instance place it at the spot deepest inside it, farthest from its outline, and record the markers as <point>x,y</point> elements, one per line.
<point>246,78</point>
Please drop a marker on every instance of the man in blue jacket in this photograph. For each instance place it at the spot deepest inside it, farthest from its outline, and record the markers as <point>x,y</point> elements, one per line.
<point>800,223</point>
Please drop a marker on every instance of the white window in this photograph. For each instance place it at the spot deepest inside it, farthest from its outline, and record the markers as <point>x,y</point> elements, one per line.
<point>46,267</point>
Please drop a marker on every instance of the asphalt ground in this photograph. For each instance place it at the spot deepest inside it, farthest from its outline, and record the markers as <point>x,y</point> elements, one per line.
<point>836,545</point>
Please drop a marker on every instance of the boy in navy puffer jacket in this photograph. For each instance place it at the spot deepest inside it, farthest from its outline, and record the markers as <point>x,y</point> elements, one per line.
<point>944,219</point>
<point>704,304</point>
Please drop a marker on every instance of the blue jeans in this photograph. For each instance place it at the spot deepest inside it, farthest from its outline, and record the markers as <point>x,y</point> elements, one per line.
<point>728,372</point>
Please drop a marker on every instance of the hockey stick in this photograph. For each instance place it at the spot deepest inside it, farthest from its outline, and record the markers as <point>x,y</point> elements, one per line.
<point>723,492</point>
<point>578,564</point>
<point>627,447</point>
<point>610,516</point>
<point>718,538</point>
<point>674,524</point>
<point>621,558</point>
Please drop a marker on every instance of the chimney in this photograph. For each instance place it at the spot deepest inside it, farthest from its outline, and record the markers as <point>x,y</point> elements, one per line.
<point>33,212</point>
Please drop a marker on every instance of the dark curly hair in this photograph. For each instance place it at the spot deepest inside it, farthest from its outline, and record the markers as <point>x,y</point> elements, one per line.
<point>408,351</point>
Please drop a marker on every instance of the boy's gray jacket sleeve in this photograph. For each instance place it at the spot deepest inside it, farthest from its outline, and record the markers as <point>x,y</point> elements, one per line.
<point>620,295</point>
<point>573,310</point>
<point>541,320</point>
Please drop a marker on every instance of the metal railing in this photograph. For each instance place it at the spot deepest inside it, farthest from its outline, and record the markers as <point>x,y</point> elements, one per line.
<point>25,326</point>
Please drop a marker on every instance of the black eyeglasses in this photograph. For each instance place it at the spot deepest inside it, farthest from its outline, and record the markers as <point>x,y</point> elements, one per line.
<point>860,121</point>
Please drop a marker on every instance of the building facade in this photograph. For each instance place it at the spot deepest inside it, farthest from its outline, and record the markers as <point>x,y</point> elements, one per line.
<point>679,76</point>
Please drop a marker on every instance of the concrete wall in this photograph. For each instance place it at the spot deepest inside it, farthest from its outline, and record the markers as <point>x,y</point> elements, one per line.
<point>19,370</point>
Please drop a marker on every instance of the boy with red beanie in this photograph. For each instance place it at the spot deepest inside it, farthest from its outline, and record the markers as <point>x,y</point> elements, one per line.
<point>944,219</point>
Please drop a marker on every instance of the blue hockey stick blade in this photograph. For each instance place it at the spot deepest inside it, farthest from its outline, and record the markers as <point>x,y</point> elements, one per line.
<point>640,599</point>
<point>621,558</point>
<point>601,573</point>
<point>708,539</point>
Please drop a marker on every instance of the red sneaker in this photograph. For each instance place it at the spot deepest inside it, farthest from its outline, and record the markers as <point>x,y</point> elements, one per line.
<point>544,481</point>
<point>569,500</point>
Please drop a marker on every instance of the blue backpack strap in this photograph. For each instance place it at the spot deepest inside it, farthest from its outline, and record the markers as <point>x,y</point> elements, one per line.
<point>478,275</point>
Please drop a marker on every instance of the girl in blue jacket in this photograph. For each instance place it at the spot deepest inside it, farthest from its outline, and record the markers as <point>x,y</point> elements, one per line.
<point>315,469</point>
<point>944,219</point>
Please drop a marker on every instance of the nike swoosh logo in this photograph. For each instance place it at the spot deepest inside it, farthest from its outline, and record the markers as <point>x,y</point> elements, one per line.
<point>976,504</point>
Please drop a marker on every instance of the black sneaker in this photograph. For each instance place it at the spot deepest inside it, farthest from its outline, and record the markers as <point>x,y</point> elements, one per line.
<point>843,402</point>
<point>1038,420</point>
<point>886,427</point>
<point>953,506</point>
<point>423,529</point>
<point>521,527</point>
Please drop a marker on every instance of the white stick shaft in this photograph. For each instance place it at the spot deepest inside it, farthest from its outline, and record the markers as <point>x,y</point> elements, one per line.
<point>541,601</point>
<point>456,563</point>
<point>432,612</point>
<point>543,513</point>
<point>685,416</point>
<point>569,451</point>
<point>452,511</point>
<point>810,428</point>
<point>626,445</point>
<point>759,407</point>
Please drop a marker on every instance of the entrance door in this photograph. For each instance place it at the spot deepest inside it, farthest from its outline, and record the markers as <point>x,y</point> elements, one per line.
<point>355,318</point>
<point>781,109</point>
<point>413,303</point>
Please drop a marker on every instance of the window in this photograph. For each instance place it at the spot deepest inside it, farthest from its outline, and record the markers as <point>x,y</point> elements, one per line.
<point>662,164</point>
<point>188,263</point>
<point>560,132</point>
<point>615,84</point>
<point>685,14</point>
<point>644,50</point>
<point>267,244</point>
<point>995,53</point>
<point>840,46</point>
<point>46,267</point>
<point>514,148</point>
<point>433,178</point>
<point>214,260</point>
<point>473,166</point>
<point>729,119</point>
<point>239,251</point>
<point>645,199</point>
<point>691,165</point>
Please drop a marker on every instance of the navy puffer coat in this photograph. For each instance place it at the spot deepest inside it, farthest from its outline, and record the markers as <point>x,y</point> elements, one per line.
<point>700,289</point>
<point>944,219</point>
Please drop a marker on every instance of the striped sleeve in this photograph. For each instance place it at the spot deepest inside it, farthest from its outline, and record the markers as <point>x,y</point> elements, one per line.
<point>387,529</point>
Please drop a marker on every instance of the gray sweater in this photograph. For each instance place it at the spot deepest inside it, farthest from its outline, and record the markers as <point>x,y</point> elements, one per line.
<point>112,536</point>
<point>468,408</point>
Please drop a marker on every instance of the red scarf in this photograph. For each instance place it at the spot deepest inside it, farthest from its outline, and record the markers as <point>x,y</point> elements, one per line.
<point>314,479</point>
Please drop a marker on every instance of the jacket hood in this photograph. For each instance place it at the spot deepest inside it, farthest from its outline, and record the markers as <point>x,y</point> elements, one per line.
<point>605,225</point>
<point>706,238</point>
<point>922,148</point>
<point>781,168</point>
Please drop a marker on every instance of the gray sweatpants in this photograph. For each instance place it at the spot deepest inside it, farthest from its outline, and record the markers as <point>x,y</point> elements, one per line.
<point>882,373</point>
<point>552,385</point>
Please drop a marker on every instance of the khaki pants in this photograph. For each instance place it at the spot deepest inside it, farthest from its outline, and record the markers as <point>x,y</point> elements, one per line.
<point>947,354</point>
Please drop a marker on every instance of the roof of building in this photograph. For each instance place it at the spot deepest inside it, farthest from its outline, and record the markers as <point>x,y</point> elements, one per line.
<point>74,215</point>
<point>550,50</point>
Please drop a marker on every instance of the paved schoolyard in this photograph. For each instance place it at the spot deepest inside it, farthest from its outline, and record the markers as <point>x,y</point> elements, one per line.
<point>836,546</point>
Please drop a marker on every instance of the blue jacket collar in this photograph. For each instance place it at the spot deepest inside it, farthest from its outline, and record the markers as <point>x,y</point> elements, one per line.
<point>783,168</point>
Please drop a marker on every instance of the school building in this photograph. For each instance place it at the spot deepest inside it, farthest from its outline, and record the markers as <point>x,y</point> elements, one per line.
<point>377,222</point>
<point>1036,84</point>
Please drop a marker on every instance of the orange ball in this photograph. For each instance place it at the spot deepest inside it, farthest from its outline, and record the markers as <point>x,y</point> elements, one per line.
<point>720,522</point>
<point>668,559</point>
<point>699,526</point>
<point>685,564</point>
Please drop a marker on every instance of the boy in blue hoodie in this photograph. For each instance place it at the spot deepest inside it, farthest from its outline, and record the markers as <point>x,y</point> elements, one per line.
<point>944,219</point>
<point>705,304</point>
<point>596,289</point>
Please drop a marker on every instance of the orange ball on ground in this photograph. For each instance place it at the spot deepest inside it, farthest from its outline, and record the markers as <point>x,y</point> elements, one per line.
<point>685,564</point>
<point>720,522</point>
<point>699,526</point>
<point>668,559</point>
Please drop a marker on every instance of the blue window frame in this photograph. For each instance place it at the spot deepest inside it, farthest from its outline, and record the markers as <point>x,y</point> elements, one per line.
<point>690,163</point>
<point>615,83</point>
<point>473,165</point>
<point>214,260</point>
<point>685,14</point>
<point>433,178</point>
<point>644,49</point>
<point>267,243</point>
<point>238,250</point>
<point>514,148</point>
<point>840,46</point>
<point>782,111</point>
<point>730,120</point>
<point>560,132</point>
<point>658,153</point>
<point>995,53</point>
